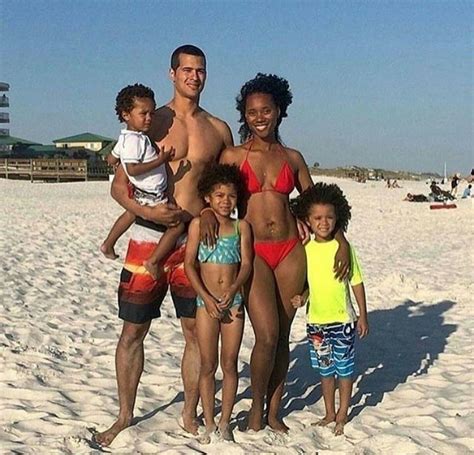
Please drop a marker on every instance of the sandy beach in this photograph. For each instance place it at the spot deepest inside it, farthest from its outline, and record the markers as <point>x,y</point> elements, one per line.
<point>59,329</point>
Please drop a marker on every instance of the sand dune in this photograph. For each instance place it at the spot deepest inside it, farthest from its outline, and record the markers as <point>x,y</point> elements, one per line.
<point>58,331</point>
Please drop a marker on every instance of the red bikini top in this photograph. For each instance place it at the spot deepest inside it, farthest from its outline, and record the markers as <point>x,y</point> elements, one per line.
<point>284,184</point>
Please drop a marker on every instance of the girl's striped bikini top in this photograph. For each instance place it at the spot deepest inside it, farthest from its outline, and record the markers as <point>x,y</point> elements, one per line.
<point>285,182</point>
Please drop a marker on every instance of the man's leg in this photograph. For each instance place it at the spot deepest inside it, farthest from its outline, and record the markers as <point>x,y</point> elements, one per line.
<point>190,365</point>
<point>129,358</point>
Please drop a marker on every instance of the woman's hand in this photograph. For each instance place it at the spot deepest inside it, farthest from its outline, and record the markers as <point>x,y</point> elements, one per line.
<point>342,261</point>
<point>303,232</point>
<point>209,227</point>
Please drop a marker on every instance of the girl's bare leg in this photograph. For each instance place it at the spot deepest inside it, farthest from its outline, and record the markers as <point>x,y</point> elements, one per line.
<point>263,314</point>
<point>123,222</point>
<point>232,328</point>
<point>208,336</point>
<point>290,277</point>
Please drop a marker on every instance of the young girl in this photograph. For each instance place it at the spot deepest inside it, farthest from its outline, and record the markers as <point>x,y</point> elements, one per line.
<point>218,281</point>
<point>332,321</point>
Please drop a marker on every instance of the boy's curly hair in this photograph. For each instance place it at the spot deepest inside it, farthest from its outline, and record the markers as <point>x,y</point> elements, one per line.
<point>323,193</point>
<point>270,84</point>
<point>220,174</point>
<point>126,98</point>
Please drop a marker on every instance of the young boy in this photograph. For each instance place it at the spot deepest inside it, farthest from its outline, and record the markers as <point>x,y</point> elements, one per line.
<point>145,168</point>
<point>331,319</point>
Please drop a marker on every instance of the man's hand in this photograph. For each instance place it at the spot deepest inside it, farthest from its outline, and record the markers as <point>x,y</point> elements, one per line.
<point>167,214</point>
<point>303,232</point>
<point>209,228</point>
<point>342,261</point>
<point>362,326</point>
<point>166,155</point>
<point>298,301</point>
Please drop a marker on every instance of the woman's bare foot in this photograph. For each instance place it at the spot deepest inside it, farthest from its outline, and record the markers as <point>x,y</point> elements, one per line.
<point>255,420</point>
<point>225,432</point>
<point>152,268</point>
<point>190,424</point>
<point>278,425</point>
<point>105,438</point>
<point>325,421</point>
<point>108,251</point>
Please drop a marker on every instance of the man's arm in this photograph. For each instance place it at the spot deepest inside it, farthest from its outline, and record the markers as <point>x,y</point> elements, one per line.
<point>166,214</point>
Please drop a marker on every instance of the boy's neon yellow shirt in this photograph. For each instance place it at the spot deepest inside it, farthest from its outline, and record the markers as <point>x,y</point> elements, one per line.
<point>329,298</point>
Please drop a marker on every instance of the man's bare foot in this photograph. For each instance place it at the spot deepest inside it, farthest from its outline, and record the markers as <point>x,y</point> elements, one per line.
<point>339,428</point>
<point>190,424</point>
<point>325,421</point>
<point>225,432</point>
<point>278,425</point>
<point>105,438</point>
<point>108,251</point>
<point>152,268</point>
<point>255,420</point>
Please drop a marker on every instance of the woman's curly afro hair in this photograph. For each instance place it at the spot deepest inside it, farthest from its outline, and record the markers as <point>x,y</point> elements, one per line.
<point>272,85</point>
<point>323,193</point>
<point>126,98</point>
<point>220,174</point>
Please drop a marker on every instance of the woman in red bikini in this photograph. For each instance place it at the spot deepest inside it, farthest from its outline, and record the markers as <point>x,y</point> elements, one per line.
<point>271,172</point>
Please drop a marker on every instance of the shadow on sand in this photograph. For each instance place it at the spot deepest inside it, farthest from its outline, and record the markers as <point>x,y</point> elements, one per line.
<point>403,342</point>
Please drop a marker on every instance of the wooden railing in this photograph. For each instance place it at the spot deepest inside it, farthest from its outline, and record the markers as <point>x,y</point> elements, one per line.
<point>52,169</point>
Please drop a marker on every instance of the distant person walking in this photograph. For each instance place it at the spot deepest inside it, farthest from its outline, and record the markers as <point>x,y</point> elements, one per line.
<point>455,184</point>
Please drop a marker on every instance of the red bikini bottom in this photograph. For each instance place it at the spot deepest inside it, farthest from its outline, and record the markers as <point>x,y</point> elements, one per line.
<point>273,253</point>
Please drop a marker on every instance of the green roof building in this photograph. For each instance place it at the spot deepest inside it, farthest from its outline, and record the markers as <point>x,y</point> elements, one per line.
<point>89,141</point>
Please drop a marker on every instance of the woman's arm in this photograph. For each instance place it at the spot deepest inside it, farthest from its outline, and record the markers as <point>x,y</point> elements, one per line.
<point>303,177</point>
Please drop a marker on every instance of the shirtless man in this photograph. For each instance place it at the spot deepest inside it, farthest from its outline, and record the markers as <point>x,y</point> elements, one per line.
<point>198,139</point>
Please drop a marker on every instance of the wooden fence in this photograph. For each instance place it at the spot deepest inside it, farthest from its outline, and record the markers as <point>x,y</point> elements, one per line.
<point>59,170</point>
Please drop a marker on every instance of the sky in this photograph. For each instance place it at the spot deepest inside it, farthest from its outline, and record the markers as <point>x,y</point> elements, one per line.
<point>382,84</point>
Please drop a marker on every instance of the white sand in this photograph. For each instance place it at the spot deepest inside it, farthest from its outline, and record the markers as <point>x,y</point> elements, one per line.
<point>58,331</point>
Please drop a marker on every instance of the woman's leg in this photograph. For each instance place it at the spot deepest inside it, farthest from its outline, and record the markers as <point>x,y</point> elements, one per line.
<point>208,336</point>
<point>290,277</point>
<point>232,328</point>
<point>263,314</point>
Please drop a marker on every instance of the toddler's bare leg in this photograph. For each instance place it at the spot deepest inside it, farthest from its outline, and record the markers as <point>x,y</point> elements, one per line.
<point>124,221</point>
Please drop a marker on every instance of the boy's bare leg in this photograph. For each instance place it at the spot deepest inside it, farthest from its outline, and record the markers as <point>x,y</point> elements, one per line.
<point>124,221</point>
<point>345,393</point>
<point>166,244</point>
<point>328,386</point>
<point>232,328</point>
<point>129,358</point>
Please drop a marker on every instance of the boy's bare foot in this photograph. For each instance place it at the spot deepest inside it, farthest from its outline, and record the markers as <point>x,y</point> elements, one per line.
<point>105,438</point>
<point>255,421</point>
<point>108,251</point>
<point>190,424</point>
<point>339,428</point>
<point>325,421</point>
<point>152,268</point>
<point>225,432</point>
<point>277,425</point>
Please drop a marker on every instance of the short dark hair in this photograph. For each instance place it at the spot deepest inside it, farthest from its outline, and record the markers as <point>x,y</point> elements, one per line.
<point>326,194</point>
<point>220,174</point>
<point>270,84</point>
<point>125,100</point>
<point>188,49</point>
